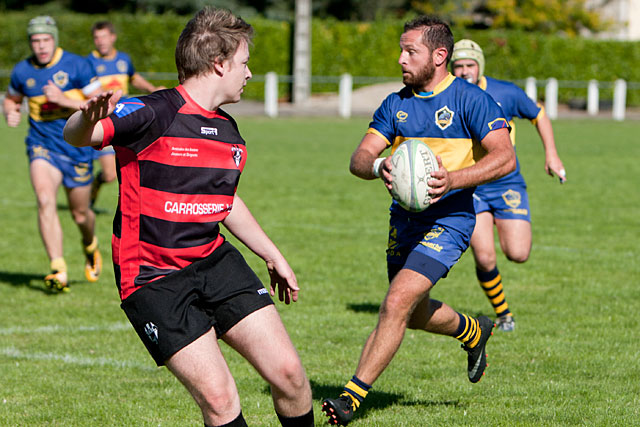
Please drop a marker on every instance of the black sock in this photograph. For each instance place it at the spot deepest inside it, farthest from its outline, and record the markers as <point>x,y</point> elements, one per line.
<point>238,422</point>
<point>305,420</point>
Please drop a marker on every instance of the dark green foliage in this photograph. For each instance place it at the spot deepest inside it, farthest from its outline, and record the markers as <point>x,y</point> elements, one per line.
<point>359,48</point>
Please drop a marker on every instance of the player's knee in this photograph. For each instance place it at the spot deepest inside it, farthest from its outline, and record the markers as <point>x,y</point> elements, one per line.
<point>46,201</point>
<point>80,216</point>
<point>108,175</point>
<point>518,256</point>
<point>292,380</point>
<point>485,260</point>
<point>219,403</point>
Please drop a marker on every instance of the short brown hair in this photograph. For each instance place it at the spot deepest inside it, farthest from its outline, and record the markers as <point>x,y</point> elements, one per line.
<point>101,25</point>
<point>435,33</point>
<point>211,35</point>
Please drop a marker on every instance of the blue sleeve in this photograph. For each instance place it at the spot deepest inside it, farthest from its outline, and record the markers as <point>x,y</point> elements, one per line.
<point>383,121</point>
<point>132,69</point>
<point>483,114</point>
<point>85,73</point>
<point>525,108</point>
<point>15,84</point>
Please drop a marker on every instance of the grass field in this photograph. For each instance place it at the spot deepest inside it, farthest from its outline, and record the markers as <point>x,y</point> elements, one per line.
<point>74,360</point>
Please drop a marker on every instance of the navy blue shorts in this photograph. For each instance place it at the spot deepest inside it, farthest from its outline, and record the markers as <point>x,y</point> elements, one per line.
<point>74,174</point>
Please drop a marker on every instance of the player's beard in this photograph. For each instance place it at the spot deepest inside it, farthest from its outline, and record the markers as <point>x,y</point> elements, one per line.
<point>420,80</point>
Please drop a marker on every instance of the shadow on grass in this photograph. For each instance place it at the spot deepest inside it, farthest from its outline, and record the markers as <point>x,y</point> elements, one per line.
<point>32,281</point>
<point>377,400</point>
<point>365,307</point>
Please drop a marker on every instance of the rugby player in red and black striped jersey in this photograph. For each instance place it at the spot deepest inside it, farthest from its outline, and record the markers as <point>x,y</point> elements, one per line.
<point>179,159</point>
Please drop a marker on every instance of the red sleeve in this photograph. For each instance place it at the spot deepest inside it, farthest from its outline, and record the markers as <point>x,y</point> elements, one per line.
<point>108,132</point>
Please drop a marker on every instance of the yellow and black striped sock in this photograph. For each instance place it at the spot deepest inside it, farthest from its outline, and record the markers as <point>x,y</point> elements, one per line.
<point>58,265</point>
<point>491,283</point>
<point>468,332</point>
<point>357,390</point>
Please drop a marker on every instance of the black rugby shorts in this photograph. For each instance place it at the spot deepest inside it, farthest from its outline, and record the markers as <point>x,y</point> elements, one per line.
<point>172,312</point>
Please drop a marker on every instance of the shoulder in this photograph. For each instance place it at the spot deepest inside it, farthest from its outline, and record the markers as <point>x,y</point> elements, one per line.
<point>504,86</point>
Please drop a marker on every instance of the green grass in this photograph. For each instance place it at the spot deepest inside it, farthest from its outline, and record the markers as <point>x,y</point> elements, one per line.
<point>73,359</point>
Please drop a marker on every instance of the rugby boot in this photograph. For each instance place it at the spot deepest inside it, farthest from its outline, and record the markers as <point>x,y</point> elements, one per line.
<point>57,281</point>
<point>340,410</point>
<point>476,356</point>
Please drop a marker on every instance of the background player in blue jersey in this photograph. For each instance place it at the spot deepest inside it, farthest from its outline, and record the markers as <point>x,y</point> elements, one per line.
<point>115,71</point>
<point>503,202</point>
<point>459,122</point>
<point>183,285</point>
<point>55,84</point>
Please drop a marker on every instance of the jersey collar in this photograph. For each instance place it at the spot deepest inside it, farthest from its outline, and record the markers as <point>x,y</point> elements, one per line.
<point>482,83</point>
<point>440,87</point>
<point>57,55</point>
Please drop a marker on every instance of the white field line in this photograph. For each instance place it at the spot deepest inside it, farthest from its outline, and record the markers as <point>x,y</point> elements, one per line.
<point>50,329</point>
<point>14,353</point>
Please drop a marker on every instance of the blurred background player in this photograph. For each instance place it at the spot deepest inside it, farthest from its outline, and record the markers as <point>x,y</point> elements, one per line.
<point>115,71</point>
<point>55,83</point>
<point>503,202</point>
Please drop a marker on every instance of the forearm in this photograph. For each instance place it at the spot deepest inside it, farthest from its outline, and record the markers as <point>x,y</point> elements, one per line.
<point>495,164</point>
<point>78,131</point>
<point>545,130</point>
<point>241,223</point>
<point>141,83</point>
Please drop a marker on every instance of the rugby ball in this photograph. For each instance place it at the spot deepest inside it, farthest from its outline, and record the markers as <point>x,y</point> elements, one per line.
<point>412,164</point>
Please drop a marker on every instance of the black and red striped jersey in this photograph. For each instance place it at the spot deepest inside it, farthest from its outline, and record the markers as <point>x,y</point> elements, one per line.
<point>178,169</point>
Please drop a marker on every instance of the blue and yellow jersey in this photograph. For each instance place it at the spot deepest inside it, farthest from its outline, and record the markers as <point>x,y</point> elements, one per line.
<point>515,103</point>
<point>114,72</point>
<point>73,75</point>
<point>452,120</point>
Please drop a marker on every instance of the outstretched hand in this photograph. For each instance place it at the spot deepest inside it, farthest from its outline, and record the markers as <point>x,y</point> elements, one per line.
<point>283,278</point>
<point>100,106</point>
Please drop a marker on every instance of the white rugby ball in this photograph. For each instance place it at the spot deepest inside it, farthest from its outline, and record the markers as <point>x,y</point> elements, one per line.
<point>413,161</point>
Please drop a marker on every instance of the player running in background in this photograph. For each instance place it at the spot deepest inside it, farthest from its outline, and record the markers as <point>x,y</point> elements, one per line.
<point>457,121</point>
<point>503,202</point>
<point>115,71</point>
<point>182,284</point>
<point>55,83</point>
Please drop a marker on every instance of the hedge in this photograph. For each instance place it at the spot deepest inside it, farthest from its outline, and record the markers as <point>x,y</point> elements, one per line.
<point>361,49</point>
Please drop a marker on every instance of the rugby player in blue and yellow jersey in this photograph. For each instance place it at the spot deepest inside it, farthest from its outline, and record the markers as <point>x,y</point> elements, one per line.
<point>469,134</point>
<point>56,83</point>
<point>115,71</point>
<point>503,202</point>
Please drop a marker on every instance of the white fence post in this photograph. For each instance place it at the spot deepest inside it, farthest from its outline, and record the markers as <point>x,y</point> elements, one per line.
<point>346,87</point>
<point>530,88</point>
<point>593,98</point>
<point>619,99</point>
<point>271,94</point>
<point>551,98</point>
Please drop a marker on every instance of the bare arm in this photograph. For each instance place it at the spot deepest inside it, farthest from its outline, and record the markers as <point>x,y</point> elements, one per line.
<point>365,155</point>
<point>499,161</point>
<point>141,83</point>
<point>241,223</point>
<point>83,127</point>
<point>11,107</point>
<point>552,163</point>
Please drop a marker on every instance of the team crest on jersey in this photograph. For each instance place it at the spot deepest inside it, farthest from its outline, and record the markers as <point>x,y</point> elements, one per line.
<point>236,152</point>
<point>444,117</point>
<point>31,83</point>
<point>402,116</point>
<point>121,65</point>
<point>100,69</point>
<point>61,78</point>
<point>512,198</point>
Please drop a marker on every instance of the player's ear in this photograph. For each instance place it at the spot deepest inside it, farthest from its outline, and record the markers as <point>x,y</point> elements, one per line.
<point>218,67</point>
<point>439,56</point>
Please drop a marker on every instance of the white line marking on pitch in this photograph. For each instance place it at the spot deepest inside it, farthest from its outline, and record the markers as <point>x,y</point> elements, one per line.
<point>49,329</point>
<point>73,360</point>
